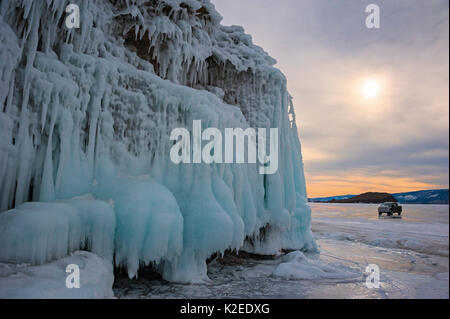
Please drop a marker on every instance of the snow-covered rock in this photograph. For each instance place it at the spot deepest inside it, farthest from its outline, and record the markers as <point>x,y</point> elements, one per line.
<point>90,110</point>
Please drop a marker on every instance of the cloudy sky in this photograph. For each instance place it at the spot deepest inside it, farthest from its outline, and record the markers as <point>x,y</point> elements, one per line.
<point>396,140</point>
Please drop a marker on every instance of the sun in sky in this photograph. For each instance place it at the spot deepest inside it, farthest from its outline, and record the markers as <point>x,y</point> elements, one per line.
<point>371,89</point>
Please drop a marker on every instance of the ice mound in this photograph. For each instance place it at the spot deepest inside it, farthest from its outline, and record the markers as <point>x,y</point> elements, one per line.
<point>91,110</point>
<point>48,281</point>
<point>297,266</point>
<point>38,232</point>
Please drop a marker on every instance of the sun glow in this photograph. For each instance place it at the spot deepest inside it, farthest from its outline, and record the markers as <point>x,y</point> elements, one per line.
<point>371,89</point>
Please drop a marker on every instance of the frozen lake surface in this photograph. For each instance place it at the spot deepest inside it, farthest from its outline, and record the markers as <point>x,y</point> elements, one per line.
<point>411,252</point>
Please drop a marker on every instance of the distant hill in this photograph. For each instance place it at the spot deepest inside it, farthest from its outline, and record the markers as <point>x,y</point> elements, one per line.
<point>369,198</point>
<point>436,196</point>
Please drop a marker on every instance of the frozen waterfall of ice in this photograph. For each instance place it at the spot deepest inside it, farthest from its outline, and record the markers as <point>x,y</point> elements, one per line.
<point>90,111</point>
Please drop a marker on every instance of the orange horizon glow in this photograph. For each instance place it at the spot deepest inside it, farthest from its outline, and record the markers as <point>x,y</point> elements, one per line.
<point>326,186</point>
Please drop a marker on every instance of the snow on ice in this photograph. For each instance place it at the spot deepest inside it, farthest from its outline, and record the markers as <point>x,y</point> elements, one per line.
<point>90,111</point>
<point>49,280</point>
<point>296,265</point>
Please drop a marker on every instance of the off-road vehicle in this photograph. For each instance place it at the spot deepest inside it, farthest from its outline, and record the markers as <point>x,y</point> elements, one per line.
<point>390,208</point>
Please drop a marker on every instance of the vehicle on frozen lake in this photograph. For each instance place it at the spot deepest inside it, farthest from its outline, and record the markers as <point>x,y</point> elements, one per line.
<point>390,208</point>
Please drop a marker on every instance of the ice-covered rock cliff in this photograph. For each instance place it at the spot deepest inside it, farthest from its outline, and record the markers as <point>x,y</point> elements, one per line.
<point>89,110</point>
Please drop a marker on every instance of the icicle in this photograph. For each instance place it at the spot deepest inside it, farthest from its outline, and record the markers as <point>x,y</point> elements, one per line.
<point>47,185</point>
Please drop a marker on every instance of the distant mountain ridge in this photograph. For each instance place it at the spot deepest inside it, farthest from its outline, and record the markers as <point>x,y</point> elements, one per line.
<point>434,196</point>
<point>327,199</point>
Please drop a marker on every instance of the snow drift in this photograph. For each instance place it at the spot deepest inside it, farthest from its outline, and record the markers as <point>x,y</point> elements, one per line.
<point>90,110</point>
